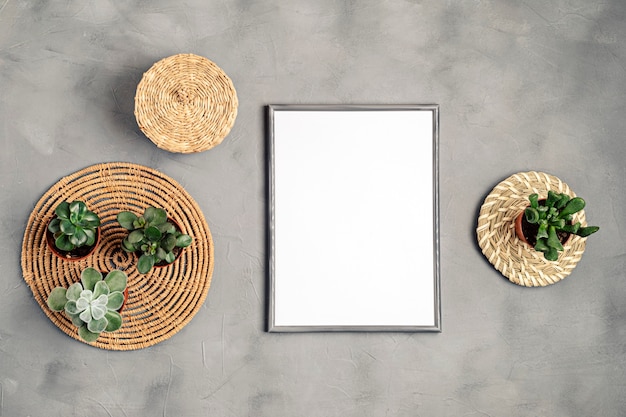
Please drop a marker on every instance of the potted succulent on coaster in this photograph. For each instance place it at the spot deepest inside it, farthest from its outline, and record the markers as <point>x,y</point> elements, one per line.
<point>93,304</point>
<point>74,232</point>
<point>156,239</point>
<point>547,224</point>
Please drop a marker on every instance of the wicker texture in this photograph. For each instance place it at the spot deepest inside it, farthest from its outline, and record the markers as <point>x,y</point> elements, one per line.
<point>161,302</point>
<point>496,232</point>
<point>185,103</point>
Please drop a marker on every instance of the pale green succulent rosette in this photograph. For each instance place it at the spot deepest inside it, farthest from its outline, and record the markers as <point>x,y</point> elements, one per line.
<point>92,303</point>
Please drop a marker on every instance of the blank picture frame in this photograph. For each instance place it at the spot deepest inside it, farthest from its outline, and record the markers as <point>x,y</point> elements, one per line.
<point>353,218</point>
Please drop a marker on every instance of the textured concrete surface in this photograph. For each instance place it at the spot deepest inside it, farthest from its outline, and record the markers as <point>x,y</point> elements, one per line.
<point>530,85</point>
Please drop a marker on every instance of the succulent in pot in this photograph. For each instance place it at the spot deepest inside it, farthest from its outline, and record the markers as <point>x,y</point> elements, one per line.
<point>74,230</point>
<point>94,303</point>
<point>157,239</point>
<point>547,223</point>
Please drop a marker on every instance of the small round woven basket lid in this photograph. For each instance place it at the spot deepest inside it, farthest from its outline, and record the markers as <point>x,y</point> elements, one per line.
<point>185,103</point>
<point>498,241</point>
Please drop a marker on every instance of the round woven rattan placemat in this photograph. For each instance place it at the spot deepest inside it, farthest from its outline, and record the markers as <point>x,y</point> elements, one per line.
<point>517,261</point>
<point>161,302</point>
<point>185,103</point>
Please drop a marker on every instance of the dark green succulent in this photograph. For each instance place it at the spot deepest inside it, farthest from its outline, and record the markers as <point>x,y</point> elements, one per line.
<point>553,215</point>
<point>153,236</point>
<point>74,226</point>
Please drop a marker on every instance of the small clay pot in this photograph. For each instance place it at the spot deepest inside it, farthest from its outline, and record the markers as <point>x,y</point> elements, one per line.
<point>74,255</point>
<point>119,310</point>
<point>527,232</point>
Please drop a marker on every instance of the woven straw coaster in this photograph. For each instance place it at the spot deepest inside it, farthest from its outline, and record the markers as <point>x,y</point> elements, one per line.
<point>516,260</point>
<point>185,103</point>
<point>161,302</point>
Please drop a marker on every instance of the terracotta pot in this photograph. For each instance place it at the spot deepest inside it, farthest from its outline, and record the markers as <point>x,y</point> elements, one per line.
<point>119,310</point>
<point>518,228</point>
<point>526,232</point>
<point>74,255</point>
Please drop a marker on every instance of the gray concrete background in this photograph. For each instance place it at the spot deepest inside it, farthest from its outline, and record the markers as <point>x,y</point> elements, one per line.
<point>522,85</point>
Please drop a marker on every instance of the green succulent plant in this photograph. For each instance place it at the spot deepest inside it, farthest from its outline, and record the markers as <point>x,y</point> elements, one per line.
<point>92,303</point>
<point>153,236</point>
<point>74,226</point>
<point>553,215</point>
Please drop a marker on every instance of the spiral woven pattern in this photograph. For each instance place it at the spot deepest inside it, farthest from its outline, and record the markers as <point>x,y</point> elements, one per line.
<point>185,103</point>
<point>496,232</point>
<point>161,302</point>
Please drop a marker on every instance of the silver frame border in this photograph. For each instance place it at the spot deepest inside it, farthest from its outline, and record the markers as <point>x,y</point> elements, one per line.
<point>271,110</point>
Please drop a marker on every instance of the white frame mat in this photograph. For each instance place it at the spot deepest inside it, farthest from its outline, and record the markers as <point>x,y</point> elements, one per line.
<point>353,216</point>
